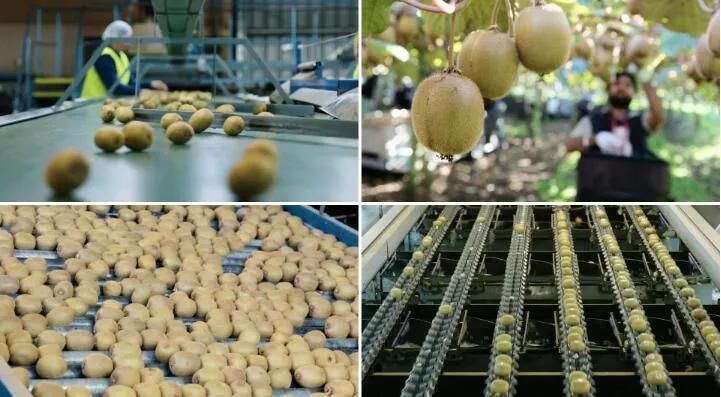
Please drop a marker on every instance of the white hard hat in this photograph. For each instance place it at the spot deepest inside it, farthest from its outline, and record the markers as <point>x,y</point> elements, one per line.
<point>117,29</point>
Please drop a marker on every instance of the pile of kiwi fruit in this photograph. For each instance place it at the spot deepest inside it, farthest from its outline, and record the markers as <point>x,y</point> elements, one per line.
<point>154,266</point>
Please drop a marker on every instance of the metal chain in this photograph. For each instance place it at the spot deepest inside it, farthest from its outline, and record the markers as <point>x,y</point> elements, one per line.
<point>655,380</point>
<point>573,332</point>
<point>705,333</point>
<point>379,327</point>
<point>429,363</point>
<point>505,351</point>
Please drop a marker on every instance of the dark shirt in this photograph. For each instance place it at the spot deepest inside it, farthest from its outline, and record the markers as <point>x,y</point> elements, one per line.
<point>601,121</point>
<point>108,74</point>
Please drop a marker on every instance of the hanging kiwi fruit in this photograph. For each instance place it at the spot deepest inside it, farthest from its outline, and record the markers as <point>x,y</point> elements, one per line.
<point>490,59</point>
<point>543,37</point>
<point>447,110</point>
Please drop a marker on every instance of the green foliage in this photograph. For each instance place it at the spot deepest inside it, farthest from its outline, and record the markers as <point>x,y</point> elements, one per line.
<point>683,16</point>
<point>476,15</point>
<point>376,15</point>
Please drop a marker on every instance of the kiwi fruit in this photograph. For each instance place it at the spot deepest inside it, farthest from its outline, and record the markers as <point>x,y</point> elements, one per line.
<point>51,366</point>
<point>66,171</point>
<point>77,391</point>
<point>225,108</point>
<point>124,114</point>
<point>79,340</point>
<point>339,388</point>
<point>447,114</point>
<point>707,65</point>
<point>168,119</point>
<point>179,132</point>
<point>713,34</point>
<point>22,374</point>
<point>251,175</point>
<point>124,375</point>
<point>337,327</point>
<point>638,49</point>
<point>97,365</point>
<point>543,37</point>
<point>23,353</point>
<point>489,58</point>
<point>186,107</point>
<point>47,389</point>
<point>119,391</point>
<point>310,376</point>
<point>233,125</point>
<point>138,135</point>
<point>107,113</point>
<point>259,107</point>
<point>183,363</point>
<point>315,339</point>
<point>201,120</point>
<point>263,147</point>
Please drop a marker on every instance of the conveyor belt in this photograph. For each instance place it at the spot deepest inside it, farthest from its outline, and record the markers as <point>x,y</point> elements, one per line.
<point>310,168</point>
<point>377,330</point>
<point>646,355</point>
<point>507,336</point>
<point>677,285</point>
<point>233,262</point>
<point>429,364</point>
<point>572,325</point>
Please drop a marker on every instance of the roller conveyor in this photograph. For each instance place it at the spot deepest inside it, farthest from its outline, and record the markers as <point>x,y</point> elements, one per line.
<point>311,167</point>
<point>231,263</point>
<point>546,360</point>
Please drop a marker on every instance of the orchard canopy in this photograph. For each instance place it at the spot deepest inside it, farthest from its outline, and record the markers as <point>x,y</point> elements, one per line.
<point>658,38</point>
<point>574,49</point>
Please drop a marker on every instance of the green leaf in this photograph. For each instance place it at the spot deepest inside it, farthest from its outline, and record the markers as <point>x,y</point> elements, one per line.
<point>376,16</point>
<point>683,16</point>
<point>383,48</point>
<point>477,15</point>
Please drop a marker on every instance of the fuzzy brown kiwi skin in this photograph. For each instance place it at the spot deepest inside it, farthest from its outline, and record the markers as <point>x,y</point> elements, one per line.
<point>447,113</point>
<point>179,132</point>
<point>67,171</point>
<point>233,125</point>
<point>252,175</point>
<point>712,33</point>
<point>107,113</point>
<point>109,139</point>
<point>201,120</point>
<point>543,37</point>
<point>138,135</point>
<point>490,59</point>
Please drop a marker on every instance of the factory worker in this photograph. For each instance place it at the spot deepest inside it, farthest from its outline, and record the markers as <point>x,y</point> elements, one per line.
<point>112,65</point>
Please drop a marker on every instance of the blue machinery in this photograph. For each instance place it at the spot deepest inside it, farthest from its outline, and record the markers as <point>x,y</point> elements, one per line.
<point>311,33</point>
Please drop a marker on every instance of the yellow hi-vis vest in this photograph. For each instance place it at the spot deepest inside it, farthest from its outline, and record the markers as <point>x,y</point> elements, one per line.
<point>93,86</point>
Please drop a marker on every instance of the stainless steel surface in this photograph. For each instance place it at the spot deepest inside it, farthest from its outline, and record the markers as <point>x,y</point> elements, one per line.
<point>382,239</point>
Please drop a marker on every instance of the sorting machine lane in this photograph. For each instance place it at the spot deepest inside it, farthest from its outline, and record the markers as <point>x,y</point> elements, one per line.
<point>376,331</point>
<point>641,342</point>
<point>429,363</point>
<point>705,333</point>
<point>507,337</point>
<point>573,333</point>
